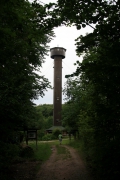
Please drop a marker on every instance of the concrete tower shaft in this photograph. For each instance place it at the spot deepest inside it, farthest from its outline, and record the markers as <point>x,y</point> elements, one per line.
<point>57,53</point>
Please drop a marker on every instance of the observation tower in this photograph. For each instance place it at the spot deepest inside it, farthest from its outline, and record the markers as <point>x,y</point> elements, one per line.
<point>57,53</point>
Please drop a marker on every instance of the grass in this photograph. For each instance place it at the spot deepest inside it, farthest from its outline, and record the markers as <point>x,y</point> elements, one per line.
<point>43,151</point>
<point>77,144</point>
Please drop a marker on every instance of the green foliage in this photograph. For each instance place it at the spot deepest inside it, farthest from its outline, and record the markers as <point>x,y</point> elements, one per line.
<point>42,119</point>
<point>23,46</point>
<point>43,151</point>
<point>47,137</point>
<point>40,134</point>
<point>24,39</point>
<point>78,145</point>
<point>46,109</point>
<point>97,89</point>
<point>56,133</point>
<point>44,116</point>
<point>71,109</point>
<point>8,152</point>
<point>52,136</point>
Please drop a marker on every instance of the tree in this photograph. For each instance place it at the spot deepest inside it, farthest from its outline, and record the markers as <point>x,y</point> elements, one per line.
<point>100,73</point>
<point>22,52</point>
<point>46,110</point>
<point>71,109</point>
<point>24,37</point>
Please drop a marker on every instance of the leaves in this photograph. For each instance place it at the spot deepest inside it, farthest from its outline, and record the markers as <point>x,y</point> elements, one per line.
<point>24,38</point>
<point>97,91</point>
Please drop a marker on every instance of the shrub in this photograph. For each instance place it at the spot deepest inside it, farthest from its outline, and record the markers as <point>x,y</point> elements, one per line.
<point>56,133</point>
<point>47,137</point>
<point>8,152</point>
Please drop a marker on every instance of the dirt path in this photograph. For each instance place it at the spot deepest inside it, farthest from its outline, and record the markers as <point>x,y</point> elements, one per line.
<point>63,167</point>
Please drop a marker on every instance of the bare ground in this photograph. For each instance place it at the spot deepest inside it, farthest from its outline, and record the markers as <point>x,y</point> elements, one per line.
<point>67,166</point>
<point>62,167</point>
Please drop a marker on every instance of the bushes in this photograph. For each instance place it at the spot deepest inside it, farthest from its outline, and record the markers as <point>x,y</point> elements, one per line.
<point>52,136</point>
<point>56,133</point>
<point>8,152</point>
<point>47,137</point>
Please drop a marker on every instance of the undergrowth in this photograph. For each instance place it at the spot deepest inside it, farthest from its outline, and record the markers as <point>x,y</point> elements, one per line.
<point>42,152</point>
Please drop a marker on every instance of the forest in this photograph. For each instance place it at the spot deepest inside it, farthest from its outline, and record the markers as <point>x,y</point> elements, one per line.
<point>92,92</point>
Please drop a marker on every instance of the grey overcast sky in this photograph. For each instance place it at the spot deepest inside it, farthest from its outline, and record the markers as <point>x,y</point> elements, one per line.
<point>65,37</point>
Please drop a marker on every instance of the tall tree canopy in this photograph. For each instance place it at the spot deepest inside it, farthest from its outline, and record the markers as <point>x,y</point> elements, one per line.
<point>24,35</point>
<point>98,74</point>
<point>24,38</point>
